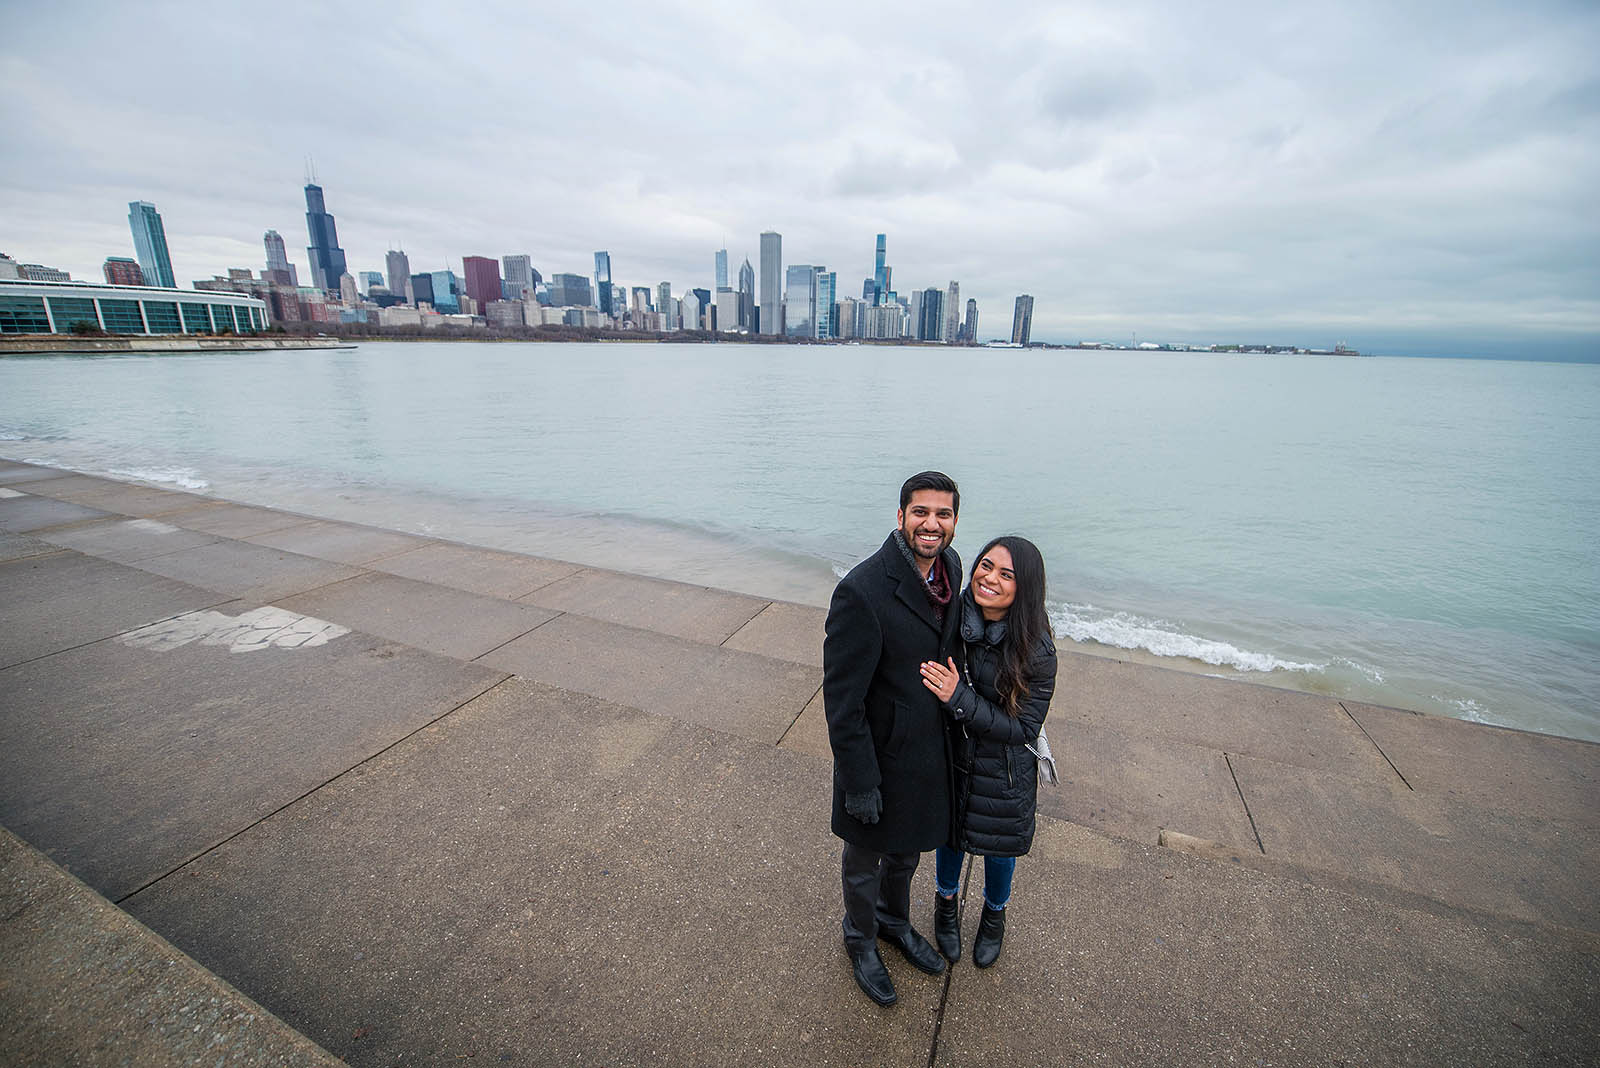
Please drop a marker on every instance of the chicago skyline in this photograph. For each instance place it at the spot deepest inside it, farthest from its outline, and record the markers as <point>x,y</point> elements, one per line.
<point>1376,172</point>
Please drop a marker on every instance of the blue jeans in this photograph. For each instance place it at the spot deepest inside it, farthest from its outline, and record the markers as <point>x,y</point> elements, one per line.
<point>997,872</point>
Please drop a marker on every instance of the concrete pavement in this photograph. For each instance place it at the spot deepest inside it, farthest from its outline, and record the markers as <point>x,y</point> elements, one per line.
<point>426,802</point>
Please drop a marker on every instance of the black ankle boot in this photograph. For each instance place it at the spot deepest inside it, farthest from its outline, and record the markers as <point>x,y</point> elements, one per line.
<point>947,926</point>
<point>991,930</point>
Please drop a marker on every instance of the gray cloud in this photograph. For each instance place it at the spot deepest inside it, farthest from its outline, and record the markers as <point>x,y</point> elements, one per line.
<point>1258,171</point>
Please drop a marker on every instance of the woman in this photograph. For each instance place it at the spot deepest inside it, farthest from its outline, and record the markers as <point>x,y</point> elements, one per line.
<point>996,702</point>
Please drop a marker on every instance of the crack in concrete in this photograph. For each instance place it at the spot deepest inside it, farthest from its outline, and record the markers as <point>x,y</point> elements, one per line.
<point>1378,747</point>
<point>294,801</point>
<point>524,634</point>
<point>797,715</point>
<point>1247,813</point>
<point>950,969</point>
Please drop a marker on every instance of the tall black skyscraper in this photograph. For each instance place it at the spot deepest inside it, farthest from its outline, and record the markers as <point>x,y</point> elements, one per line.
<point>327,258</point>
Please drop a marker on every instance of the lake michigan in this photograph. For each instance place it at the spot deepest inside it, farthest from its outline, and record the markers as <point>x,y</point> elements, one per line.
<point>1412,532</point>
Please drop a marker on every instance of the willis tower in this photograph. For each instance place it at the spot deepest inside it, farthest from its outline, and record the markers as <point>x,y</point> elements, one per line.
<point>327,258</point>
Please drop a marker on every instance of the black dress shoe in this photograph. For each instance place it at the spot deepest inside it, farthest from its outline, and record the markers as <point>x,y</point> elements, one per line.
<point>916,949</point>
<point>991,930</point>
<point>872,977</point>
<point>947,926</point>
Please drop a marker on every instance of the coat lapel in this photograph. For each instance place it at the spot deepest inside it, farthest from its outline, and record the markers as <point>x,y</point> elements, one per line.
<point>909,589</point>
<point>952,613</point>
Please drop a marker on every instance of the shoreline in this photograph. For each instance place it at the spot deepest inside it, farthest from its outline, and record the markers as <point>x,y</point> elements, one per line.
<point>73,345</point>
<point>610,542</point>
<point>426,802</point>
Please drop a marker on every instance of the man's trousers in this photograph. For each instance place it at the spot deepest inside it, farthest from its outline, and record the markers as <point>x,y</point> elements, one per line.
<point>877,894</point>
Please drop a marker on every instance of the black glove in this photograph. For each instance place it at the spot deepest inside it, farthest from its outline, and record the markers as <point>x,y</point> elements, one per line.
<point>865,807</point>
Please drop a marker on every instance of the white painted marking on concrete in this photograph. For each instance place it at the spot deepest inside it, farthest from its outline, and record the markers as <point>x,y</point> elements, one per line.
<point>263,628</point>
<point>150,526</point>
<point>5,492</point>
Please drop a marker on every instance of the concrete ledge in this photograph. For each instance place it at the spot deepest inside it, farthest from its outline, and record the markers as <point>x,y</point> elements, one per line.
<point>71,344</point>
<point>610,861</point>
<point>85,983</point>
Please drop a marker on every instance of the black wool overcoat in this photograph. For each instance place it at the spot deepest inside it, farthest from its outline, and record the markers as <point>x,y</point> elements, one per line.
<point>886,728</point>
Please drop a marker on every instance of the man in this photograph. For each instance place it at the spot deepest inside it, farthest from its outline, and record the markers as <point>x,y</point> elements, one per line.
<point>891,784</point>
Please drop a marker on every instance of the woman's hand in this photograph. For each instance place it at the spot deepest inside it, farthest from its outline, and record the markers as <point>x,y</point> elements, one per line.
<point>941,680</point>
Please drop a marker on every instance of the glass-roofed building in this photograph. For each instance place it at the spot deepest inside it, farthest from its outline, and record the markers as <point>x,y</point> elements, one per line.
<point>59,308</point>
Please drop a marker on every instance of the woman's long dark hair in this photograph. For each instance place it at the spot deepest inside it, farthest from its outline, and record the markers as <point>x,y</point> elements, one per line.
<point>1026,621</point>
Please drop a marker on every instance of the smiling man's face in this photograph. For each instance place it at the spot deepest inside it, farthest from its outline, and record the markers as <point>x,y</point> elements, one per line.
<point>928,522</point>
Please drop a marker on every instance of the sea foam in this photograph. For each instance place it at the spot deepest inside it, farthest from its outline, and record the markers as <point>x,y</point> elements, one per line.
<point>187,477</point>
<point>1124,630</point>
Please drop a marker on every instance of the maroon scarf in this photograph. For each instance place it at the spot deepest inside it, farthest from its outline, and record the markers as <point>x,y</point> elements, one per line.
<point>938,588</point>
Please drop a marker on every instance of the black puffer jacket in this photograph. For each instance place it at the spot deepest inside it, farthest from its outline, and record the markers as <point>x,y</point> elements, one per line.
<point>996,778</point>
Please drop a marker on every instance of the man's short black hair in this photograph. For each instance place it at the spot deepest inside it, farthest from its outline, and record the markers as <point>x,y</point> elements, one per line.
<point>931,480</point>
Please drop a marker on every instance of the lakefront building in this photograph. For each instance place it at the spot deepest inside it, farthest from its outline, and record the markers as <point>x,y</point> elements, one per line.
<point>77,307</point>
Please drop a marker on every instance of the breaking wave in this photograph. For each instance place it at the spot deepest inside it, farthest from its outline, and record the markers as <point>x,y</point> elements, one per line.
<point>186,477</point>
<point>1124,630</point>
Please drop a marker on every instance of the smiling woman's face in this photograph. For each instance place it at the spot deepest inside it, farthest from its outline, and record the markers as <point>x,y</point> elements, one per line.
<point>994,583</point>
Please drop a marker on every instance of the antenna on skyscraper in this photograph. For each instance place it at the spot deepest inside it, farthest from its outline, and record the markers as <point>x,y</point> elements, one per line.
<point>311,171</point>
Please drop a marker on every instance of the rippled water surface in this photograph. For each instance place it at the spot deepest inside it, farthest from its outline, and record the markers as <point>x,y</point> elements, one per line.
<point>1409,531</point>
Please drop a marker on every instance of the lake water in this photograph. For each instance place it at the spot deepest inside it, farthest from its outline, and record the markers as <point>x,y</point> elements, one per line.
<point>1415,532</point>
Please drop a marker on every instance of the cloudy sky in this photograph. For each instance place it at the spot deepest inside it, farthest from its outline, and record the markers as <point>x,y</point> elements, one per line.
<point>1416,177</point>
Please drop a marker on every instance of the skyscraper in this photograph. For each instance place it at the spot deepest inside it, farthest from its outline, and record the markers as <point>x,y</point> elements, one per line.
<point>121,271</point>
<point>279,269</point>
<point>799,301</point>
<point>1022,321</point>
<point>722,268</point>
<point>517,276</point>
<point>150,244</point>
<point>327,258</point>
<point>399,267</point>
<point>481,278</point>
<point>827,312</point>
<point>602,281</point>
<point>771,282</point>
<point>367,281</point>
<point>446,293</point>
<point>931,328</point>
<point>952,313</point>
<point>422,289</point>
<point>664,301</point>
<point>969,329</point>
<point>747,296</point>
<point>570,291</point>
<point>880,273</point>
